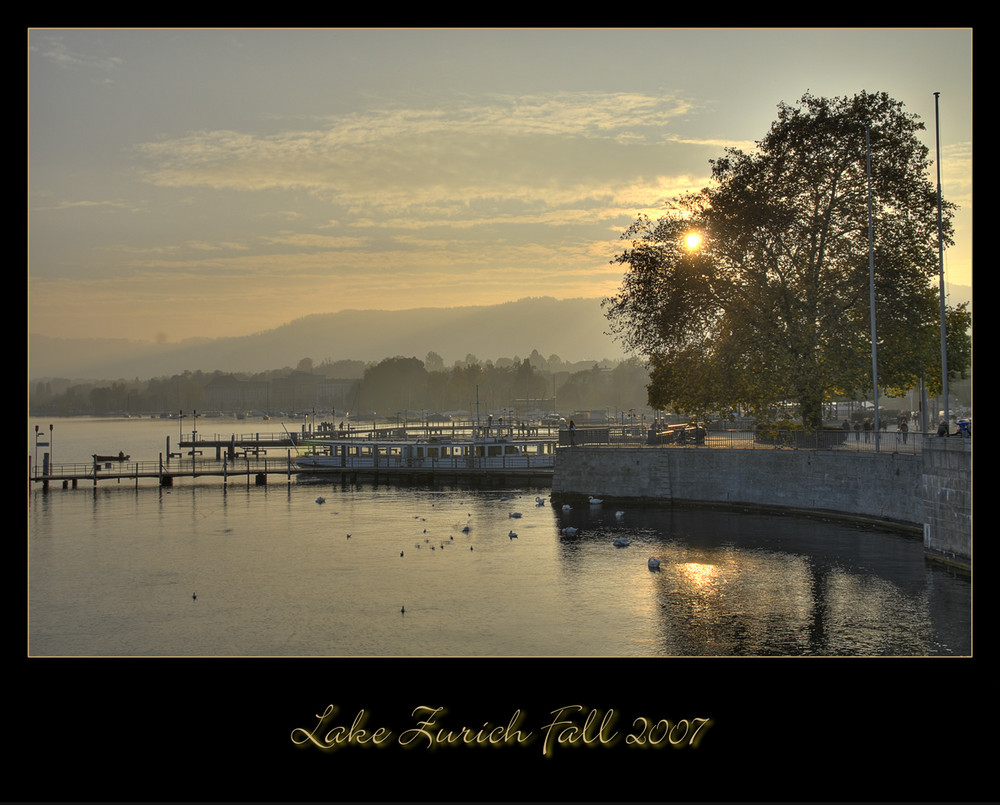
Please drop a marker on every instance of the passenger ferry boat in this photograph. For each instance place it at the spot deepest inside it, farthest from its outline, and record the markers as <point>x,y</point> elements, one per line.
<point>484,449</point>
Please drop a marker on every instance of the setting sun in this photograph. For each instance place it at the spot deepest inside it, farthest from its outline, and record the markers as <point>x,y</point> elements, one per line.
<point>692,240</point>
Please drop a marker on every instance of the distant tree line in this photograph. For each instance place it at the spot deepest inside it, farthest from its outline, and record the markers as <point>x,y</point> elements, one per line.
<point>392,386</point>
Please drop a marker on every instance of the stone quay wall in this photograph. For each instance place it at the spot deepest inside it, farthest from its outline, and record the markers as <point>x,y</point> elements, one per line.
<point>947,497</point>
<point>891,488</point>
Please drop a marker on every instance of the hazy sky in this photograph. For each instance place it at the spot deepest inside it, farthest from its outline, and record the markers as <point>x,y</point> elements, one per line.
<point>221,182</point>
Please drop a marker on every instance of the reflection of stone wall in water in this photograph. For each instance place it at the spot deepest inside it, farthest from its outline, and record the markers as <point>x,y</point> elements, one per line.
<point>898,489</point>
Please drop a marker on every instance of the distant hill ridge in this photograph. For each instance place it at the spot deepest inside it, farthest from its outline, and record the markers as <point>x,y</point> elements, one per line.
<point>573,329</point>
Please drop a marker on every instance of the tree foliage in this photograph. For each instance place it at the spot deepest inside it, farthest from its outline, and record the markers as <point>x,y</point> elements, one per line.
<point>774,304</point>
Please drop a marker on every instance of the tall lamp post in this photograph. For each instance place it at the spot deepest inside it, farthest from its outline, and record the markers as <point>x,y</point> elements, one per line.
<point>944,345</point>
<point>871,281</point>
<point>194,436</point>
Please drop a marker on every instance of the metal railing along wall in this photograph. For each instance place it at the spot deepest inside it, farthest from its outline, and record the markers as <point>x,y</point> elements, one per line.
<point>695,437</point>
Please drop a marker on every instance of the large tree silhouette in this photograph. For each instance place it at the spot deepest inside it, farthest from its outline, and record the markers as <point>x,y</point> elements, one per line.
<point>772,303</point>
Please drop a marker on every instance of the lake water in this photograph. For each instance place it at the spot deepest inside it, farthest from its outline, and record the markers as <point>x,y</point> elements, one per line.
<point>114,571</point>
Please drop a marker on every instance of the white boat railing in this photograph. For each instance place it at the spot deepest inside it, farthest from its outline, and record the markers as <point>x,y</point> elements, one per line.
<point>428,454</point>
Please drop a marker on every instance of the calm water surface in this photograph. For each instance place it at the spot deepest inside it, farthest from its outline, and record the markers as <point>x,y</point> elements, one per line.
<point>113,571</point>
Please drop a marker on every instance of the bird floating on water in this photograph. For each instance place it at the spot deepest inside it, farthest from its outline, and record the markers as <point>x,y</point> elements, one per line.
<point>621,542</point>
<point>619,515</point>
<point>514,514</point>
<point>654,564</point>
<point>595,500</point>
<point>566,507</point>
<point>512,534</point>
<point>321,499</point>
<point>569,531</point>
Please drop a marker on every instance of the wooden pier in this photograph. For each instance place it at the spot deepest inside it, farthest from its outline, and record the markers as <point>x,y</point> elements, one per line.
<point>256,470</point>
<point>253,458</point>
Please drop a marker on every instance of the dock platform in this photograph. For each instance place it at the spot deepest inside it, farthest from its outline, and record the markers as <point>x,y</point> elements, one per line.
<point>258,471</point>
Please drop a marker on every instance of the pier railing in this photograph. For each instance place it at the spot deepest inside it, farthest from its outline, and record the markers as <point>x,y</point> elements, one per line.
<point>254,468</point>
<point>133,470</point>
<point>690,437</point>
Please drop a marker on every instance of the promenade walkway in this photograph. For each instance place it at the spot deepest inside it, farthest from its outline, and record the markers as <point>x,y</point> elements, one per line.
<point>888,441</point>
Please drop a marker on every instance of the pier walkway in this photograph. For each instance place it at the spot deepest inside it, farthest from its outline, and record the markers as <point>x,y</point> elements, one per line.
<point>256,470</point>
<point>72,475</point>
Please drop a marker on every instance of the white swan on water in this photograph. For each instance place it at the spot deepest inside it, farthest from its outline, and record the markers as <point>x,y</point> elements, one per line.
<point>621,542</point>
<point>569,531</point>
<point>595,500</point>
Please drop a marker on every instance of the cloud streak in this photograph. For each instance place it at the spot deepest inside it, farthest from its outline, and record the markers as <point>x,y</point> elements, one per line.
<point>288,173</point>
<point>512,148</point>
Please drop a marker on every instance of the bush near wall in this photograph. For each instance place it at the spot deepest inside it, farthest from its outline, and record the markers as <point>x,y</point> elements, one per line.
<point>790,433</point>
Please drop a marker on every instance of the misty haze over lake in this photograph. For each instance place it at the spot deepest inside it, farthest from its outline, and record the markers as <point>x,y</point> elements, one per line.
<point>573,329</point>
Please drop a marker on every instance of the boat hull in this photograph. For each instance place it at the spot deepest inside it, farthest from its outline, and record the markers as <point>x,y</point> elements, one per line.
<point>431,454</point>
